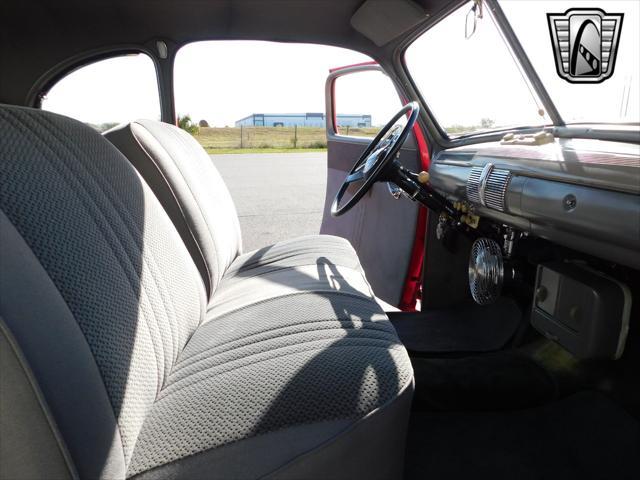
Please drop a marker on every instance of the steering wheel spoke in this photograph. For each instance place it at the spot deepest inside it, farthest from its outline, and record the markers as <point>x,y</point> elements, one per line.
<point>372,164</point>
<point>356,176</point>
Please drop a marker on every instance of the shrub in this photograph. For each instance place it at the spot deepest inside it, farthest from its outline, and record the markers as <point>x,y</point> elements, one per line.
<point>185,123</point>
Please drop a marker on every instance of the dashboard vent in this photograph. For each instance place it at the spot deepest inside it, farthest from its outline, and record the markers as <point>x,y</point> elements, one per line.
<point>488,186</point>
<point>473,185</point>
<point>496,189</point>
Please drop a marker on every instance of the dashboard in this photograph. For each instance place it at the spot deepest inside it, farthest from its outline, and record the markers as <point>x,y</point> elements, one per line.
<point>580,193</point>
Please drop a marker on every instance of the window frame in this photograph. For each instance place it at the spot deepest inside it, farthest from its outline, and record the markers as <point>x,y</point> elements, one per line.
<point>52,77</point>
<point>331,123</point>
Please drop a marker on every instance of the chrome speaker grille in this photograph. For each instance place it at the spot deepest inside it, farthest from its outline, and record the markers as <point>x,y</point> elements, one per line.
<point>473,185</point>
<point>486,271</point>
<point>496,189</point>
<point>488,186</point>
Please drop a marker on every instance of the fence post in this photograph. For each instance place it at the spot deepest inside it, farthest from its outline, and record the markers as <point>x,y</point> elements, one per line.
<point>295,136</point>
<point>347,130</point>
<point>241,146</point>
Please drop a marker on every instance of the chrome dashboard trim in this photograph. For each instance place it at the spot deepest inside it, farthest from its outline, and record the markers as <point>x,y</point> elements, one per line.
<point>482,183</point>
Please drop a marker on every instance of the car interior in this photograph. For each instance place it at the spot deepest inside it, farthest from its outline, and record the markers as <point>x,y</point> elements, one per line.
<point>469,308</point>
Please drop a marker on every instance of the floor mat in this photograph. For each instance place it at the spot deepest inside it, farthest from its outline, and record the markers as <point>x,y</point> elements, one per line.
<point>466,328</point>
<point>506,380</point>
<point>584,436</point>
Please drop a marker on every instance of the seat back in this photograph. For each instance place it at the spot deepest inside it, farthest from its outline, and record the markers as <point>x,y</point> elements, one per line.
<point>190,188</point>
<point>96,286</point>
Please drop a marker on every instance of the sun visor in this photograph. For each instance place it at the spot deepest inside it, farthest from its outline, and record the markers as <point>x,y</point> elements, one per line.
<point>382,20</point>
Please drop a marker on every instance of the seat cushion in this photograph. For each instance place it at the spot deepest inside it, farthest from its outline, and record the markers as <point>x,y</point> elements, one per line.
<point>313,262</point>
<point>294,351</point>
<point>298,371</point>
<point>194,195</point>
<point>296,252</point>
<point>296,361</point>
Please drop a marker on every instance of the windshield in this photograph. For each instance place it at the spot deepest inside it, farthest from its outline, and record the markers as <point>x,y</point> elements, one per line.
<point>469,79</point>
<point>615,99</point>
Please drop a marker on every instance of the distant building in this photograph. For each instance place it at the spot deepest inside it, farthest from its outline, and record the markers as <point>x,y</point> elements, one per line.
<point>301,120</point>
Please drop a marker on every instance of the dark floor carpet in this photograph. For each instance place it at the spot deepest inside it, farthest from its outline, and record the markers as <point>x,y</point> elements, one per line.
<point>465,328</point>
<point>507,380</point>
<point>584,436</point>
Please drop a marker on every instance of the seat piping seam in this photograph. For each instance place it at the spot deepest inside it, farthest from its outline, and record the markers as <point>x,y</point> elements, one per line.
<point>169,392</point>
<point>212,356</point>
<point>365,326</point>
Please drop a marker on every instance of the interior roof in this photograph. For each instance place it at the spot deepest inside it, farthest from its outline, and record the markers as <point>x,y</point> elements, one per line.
<point>38,35</point>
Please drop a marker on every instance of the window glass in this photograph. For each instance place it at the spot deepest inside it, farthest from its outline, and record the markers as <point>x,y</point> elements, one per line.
<point>256,95</point>
<point>616,99</point>
<point>471,84</point>
<point>108,92</point>
<point>365,102</point>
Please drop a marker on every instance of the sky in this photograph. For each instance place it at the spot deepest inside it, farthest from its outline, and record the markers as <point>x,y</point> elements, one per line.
<point>462,81</point>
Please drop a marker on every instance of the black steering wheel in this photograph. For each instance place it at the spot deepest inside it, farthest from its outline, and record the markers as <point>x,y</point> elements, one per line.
<point>373,162</point>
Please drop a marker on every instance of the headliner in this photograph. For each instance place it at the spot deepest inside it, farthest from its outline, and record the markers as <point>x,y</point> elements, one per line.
<point>38,35</point>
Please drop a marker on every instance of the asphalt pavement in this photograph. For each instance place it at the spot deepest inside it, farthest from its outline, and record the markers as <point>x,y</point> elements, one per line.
<point>277,195</point>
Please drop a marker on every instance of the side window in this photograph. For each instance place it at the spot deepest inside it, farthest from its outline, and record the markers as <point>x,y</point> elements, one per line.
<point>108,92</point>
<point>364,102</point>
<point>271,100</point>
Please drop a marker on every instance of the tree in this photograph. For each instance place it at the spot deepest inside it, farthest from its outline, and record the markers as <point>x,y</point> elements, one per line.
<point>203,123</point>
<point>185,123</point>
<point>487,123</point>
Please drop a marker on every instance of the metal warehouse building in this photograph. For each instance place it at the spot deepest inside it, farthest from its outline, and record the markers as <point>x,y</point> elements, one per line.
<point>301,120</point>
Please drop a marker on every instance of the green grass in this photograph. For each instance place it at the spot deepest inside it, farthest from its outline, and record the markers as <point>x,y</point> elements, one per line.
<point>265,139</point>
<point>224,151</point>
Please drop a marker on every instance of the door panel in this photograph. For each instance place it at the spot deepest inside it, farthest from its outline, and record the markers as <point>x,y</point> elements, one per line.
<point>380,228</point>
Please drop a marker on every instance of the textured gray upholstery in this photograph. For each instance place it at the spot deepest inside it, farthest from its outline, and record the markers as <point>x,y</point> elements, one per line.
<point>315,263</point>
<point>283,362</point>
<point>62,362</point>
<point>189,186</point>
<point>109,310</point>
<point>110,250</point>
<point>194,195</point>
<point>295,252</point>
<point>30,444</point>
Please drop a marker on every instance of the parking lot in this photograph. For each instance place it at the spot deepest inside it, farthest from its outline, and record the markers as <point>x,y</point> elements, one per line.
<point>277,195</point>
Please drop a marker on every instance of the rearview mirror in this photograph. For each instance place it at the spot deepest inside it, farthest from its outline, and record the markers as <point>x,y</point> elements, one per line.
<point>471,20</point>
